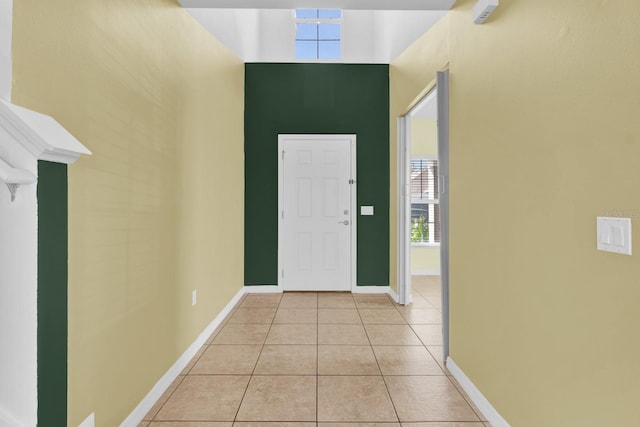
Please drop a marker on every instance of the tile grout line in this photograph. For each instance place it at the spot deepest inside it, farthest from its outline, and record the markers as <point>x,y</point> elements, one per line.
<point>224,323</point>
<point>264,341</point>
<point>395,410</point>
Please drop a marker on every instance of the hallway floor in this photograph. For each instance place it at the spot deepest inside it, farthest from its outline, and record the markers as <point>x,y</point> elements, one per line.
<point>325,359</point>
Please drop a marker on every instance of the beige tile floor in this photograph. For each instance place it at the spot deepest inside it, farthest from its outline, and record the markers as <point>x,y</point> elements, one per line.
<point>321,359</point>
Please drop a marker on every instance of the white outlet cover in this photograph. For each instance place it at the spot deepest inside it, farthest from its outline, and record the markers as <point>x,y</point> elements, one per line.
<point>194,297</point>
<point>614,235</point>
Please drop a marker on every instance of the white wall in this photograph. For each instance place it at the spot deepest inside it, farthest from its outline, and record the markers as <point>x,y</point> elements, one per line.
<point>18,294</point>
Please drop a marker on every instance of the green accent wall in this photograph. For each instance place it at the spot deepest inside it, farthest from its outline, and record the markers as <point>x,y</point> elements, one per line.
<point>316,99</point>
<point>52,294</point>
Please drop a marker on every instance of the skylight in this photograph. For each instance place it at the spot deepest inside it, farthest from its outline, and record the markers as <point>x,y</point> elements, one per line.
<point>318,34</point>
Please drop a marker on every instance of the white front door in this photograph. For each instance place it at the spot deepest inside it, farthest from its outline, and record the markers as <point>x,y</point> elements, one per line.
<point>316,236</point>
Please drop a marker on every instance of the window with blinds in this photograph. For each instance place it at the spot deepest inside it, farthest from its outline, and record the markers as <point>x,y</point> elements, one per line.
<point>425,208</point>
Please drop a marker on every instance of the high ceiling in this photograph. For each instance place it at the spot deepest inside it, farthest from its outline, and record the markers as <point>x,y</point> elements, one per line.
<point>377,34</point>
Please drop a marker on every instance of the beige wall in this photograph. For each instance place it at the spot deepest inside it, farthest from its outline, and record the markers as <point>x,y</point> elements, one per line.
<point>157,211</point>
<point>544,137</point>
<point>424,138</point>
<point>425,260</point>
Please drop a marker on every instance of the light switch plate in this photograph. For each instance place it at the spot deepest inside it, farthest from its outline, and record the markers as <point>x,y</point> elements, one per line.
<point>614,235</point>
<point>366,210</point>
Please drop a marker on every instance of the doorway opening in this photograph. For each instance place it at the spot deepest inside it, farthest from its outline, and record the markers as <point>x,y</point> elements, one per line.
<point>423,210</point>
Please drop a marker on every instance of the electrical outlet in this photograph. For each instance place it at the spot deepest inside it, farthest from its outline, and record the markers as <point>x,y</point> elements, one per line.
<point>194,297</point>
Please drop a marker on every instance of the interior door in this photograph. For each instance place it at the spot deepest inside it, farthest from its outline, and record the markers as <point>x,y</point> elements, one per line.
<point>316,201</point>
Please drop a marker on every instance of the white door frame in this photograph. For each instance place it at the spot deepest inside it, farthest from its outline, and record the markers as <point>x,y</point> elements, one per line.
<point>404,200</point>
<point>352,210</point>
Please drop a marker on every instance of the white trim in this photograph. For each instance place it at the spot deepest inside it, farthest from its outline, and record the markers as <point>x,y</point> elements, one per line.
<point>371,290</point>
<point>404,211</point>
<point>262,289</point>
<point>40,135</point>
<point>163,383</point>
<point>476,395</point>
<point>7,420</point>
<point>354,200</point>
<point>425,272</point>
<point>425,244</point>
<point>394,295</point>
<point>89,422</point>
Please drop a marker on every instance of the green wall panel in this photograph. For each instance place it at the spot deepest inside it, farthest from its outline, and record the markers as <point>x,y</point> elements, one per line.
<point>322,99</point>
<point>52,294</point>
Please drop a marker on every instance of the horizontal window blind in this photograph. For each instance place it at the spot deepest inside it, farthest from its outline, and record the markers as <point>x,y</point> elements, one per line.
<point>425,209</point>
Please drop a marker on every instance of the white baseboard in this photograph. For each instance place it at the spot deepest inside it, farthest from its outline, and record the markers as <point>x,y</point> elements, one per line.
<point>90,421</point>
<point>476,395</point>
<point>163,384</point>
<point>425,272</point>
<point>394,295</point>
<point>370,290</point>
<point>262,289</point>
<point>8,420</point>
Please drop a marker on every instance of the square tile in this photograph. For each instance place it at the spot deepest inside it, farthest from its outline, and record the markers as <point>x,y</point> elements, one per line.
<point>205,398</point>
<point>435,301</point>
<point>276,424</point>
<point>299,300</point>
<point>165,396</point>
<point>436,352</point>
<point>358,399</point>
<point>421,316</point>
<point>193,361</point>
<point>292,334</point>
<point>358,425</point>
<point>429,334</point>
<point>296,315</point>
<point>342,334</point>
<point>189,424</point>
<point>467,398</point>
<point>406,360</point>
<point>339,316</point>
<point>428,398</point>
<point>346,360</point>
<point>373,301</point>
<point>392,335</point>
<point>421,302</point>
<point>279,398</point>
<point>242,334</point>
<point>287,360</point>
<point>214,334</point>
<point>336,300</point>
<point>252,315</point>
<point>442,424</point>
<point>381,316</point>
<point>227,359</point>
<point>261,301</point>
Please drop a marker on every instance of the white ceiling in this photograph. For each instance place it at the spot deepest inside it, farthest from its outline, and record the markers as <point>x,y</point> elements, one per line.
<point>369,36</point>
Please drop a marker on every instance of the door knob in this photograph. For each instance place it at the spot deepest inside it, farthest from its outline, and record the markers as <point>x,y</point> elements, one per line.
<point>345,222</point>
